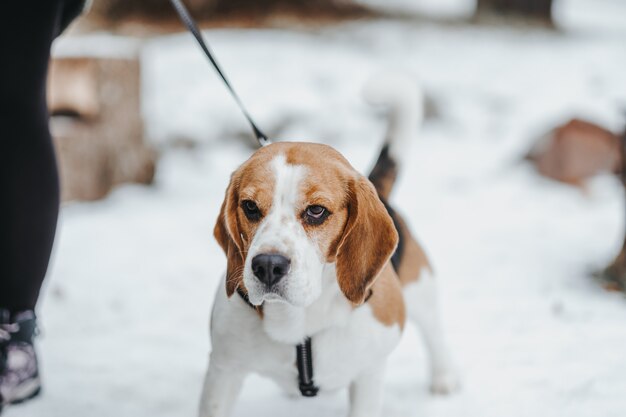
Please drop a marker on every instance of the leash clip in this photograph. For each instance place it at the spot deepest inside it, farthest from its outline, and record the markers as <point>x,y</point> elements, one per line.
<point>304,358</point>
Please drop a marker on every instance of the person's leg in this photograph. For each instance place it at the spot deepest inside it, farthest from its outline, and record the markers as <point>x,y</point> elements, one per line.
<point>28,185</point>
<point>28,176</point>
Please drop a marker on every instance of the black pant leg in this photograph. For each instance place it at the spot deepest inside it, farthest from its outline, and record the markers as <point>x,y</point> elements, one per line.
<point>29,186</point>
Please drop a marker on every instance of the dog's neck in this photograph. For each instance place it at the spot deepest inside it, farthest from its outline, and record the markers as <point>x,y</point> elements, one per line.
<point>289,324</point>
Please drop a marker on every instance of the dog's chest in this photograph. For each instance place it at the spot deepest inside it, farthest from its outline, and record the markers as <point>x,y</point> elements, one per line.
<point>340,353</point>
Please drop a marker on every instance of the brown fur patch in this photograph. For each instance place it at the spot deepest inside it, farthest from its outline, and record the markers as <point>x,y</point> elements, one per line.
<point>227,234</point>
<point>368,241</point>
<point>233,231</point>
<point>386,301</point>
<point>414,259</point>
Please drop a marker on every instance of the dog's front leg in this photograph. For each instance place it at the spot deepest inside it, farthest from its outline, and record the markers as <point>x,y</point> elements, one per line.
<point>221,388</point>
<point>366,394</point>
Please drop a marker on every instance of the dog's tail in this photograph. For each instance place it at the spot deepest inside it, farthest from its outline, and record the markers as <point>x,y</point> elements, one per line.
<point>404,100</point>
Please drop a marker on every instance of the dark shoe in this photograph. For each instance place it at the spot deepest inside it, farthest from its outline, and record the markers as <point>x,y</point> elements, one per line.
<point>19,373</point>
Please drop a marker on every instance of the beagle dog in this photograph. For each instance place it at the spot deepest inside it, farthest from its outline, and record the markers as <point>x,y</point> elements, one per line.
<point>321,271</point>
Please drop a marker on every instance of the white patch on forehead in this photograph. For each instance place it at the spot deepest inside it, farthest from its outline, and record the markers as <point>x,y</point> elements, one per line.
<point>286,187</point>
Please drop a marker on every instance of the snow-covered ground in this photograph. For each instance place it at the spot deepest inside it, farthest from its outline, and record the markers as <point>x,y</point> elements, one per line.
<point>125,310</point>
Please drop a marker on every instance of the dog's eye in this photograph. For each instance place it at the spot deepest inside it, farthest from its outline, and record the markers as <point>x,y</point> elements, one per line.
<point>315,214</point>
<point>251,210</point>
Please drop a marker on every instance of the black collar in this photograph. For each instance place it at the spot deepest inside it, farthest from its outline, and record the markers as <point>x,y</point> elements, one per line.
<point>244,297</point>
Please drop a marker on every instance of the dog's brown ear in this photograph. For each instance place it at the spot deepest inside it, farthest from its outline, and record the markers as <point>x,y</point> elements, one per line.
<point>368,241</point>
<point>227,234</point>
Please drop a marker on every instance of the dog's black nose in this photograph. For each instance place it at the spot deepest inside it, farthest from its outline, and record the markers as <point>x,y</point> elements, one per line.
<point>270,268</point>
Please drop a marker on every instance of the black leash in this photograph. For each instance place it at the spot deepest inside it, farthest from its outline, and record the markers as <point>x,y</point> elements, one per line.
<point>193,28</point>
<point>304,358</point>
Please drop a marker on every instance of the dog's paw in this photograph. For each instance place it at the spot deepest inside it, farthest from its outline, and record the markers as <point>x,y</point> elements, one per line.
<point>445,382</point>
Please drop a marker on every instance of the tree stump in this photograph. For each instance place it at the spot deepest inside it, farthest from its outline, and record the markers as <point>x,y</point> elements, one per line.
<point>150,9</point>
<point>576,151</point>
<point>96,125</point>
<point>539,11</point>
<point>615,274</point>
<point>115,13</point>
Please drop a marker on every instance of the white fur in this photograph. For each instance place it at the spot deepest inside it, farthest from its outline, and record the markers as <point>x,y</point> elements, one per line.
<point>404,100</point>
<point>349,349</point>
<point>421,302</point>
<point>350,346</point>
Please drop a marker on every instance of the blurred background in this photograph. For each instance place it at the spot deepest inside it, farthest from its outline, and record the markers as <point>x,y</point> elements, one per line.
<point>514,189</point>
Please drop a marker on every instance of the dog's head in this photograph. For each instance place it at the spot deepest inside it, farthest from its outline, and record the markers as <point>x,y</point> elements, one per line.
<point>293,208</point>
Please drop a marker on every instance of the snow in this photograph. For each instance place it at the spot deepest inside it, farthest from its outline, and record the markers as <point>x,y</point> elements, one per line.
<point>125,309</point>
<point>430,8</point>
